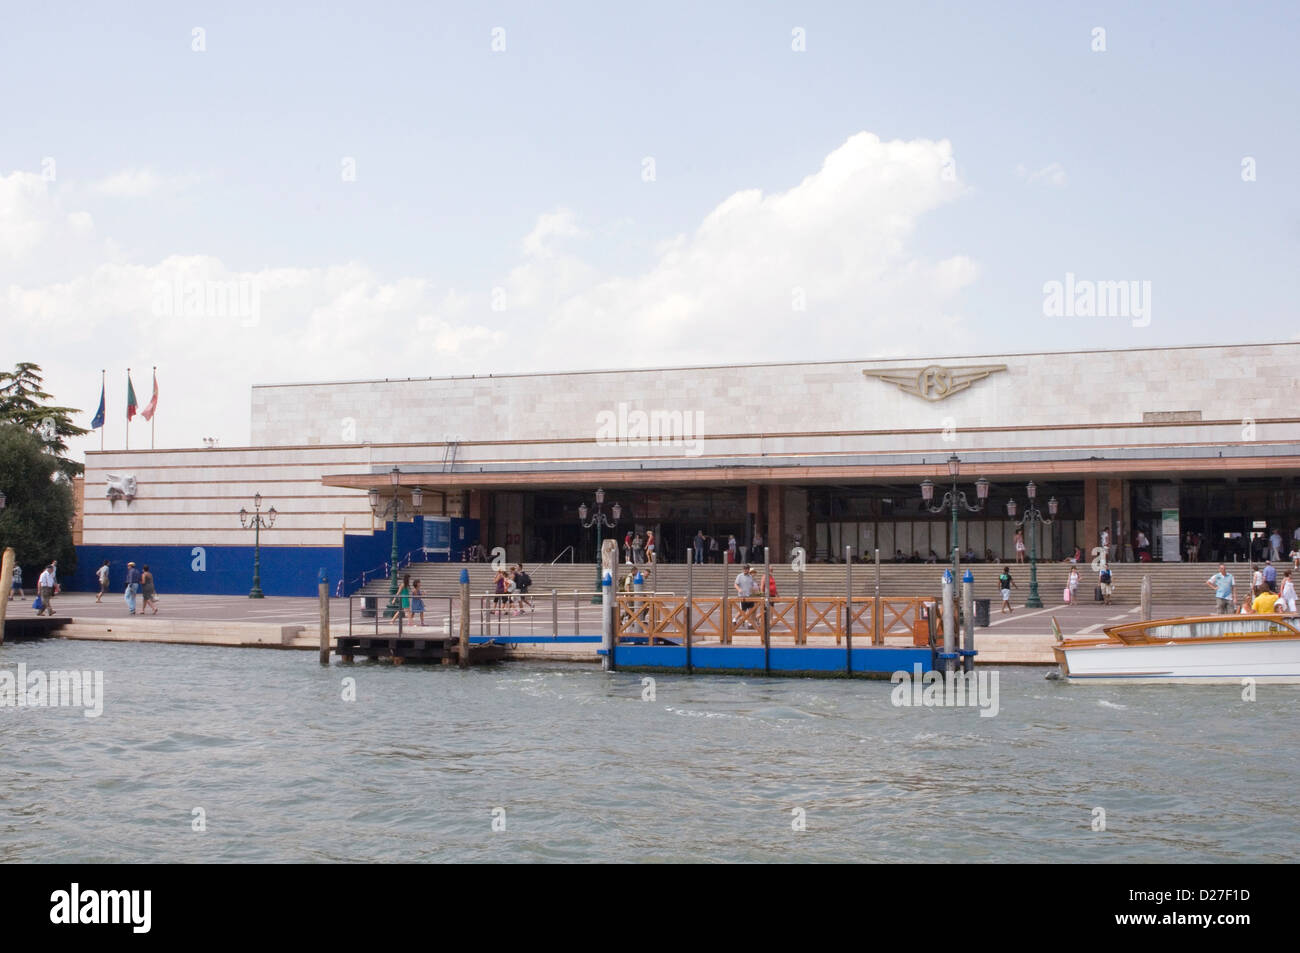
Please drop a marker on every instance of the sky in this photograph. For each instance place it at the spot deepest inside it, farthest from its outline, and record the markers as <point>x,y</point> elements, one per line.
<point>240,195</point>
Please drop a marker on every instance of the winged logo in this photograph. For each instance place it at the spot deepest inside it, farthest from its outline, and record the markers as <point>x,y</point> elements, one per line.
<point>936,382</point>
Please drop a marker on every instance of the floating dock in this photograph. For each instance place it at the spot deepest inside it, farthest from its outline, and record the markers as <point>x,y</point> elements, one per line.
<point>422,649</point>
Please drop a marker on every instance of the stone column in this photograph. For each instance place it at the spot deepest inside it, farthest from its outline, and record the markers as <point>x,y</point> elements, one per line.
<point>774,531</point>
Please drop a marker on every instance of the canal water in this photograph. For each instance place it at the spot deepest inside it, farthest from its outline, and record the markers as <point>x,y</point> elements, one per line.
<point>548,762</point>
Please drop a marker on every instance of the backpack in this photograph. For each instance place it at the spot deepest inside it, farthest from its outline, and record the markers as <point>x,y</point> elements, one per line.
<point>523,580</point>
<point>1105,577</point>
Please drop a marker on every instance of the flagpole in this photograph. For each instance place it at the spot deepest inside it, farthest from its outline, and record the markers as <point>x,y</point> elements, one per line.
<point>103,382</point>
<point>153,418</point>
<point>128,409</point>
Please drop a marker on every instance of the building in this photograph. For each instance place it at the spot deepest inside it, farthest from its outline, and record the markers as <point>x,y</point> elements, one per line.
<point>1161,441</point>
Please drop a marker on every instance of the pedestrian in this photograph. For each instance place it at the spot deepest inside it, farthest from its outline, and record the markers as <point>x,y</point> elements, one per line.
<point>638,550</point>
<point>132,586</point>
<point>1288,592</point>
<point>650,546</point>
<point>45,590</point>
<point>1073,589</point>
<point>731,548</point>
<point>715,554</point>
<point>1006,584</point>
<point>523,582</point>
<point>699,546</point>
<point>1224,587</point>
<point>769,584</point>
<point>744,586</point>
<point>1275,543</point>
<point>757,548</point>
<point>404,596</point>
<point>102,575</point>
<point>1256,583</point>
<point>147,590</point>
<point>1020,545</point>
<point>17,585</point>
<point>1107,583</point>
<point>417,601</point>
<point>1265,601</point>
<point>499,586</point>
<point>1270,575</point>
<point>627,548</point>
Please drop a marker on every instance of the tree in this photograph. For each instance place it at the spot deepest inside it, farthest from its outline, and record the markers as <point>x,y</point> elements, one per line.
<point>37,518</point>
<point>22,403</point>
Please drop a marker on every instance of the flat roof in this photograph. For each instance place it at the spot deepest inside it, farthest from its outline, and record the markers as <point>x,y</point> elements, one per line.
<point>707,367</point>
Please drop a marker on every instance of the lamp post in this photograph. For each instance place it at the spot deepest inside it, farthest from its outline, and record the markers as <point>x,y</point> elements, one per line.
<point>256,521</point>
<point>601,522</point>
<point>1033,515</point>
<point>953,499</point>
<point>395,507</point>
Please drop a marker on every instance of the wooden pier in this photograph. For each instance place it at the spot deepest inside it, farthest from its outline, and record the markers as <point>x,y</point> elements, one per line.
<point>423,649</point>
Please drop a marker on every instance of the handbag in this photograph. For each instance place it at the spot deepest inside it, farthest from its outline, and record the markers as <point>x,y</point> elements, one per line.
<point>37,604</point>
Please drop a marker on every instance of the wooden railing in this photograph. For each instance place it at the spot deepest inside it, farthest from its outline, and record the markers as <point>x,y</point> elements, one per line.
<point>661,618</point>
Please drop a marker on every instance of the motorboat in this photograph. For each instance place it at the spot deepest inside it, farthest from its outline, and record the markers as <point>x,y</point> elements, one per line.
<point>1198,649</point>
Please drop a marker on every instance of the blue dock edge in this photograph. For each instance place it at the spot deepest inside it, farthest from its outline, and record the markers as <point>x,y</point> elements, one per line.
<point>804,660</point>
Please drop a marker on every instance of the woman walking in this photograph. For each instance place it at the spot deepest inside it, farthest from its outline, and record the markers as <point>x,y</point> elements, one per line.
<point>1072,593</point>
<point>417,601</point>
<point>1020,545</point>
<point>147,590</point>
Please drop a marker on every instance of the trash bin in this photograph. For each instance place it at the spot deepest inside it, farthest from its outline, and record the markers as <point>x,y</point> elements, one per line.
<point>369,606</point>
<point>982,612</point>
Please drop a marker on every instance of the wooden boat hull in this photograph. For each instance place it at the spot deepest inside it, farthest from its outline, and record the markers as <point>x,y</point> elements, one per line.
<point>1202,650</point>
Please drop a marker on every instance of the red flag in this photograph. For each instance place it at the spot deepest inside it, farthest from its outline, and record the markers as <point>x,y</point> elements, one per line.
<point>149,410</point>
<point>130,398</point>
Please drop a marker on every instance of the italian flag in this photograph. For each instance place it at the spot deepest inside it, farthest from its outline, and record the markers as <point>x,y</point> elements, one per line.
<point>130,398</point>
<point>152,406</point>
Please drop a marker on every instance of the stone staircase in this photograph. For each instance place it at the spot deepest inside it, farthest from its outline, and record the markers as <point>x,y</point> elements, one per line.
<point>1171,583</point>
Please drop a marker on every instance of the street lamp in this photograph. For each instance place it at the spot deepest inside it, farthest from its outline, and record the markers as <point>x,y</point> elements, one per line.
<point>601,522</point>
<point>395,508</point>
<point>1033,515</point>
<point>256,521</point>
<point>953,499</point>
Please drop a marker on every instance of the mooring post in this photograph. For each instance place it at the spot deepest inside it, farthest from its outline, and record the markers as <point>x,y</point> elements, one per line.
<point>877,613</point>
<point>848,609</point>
<point>323,590</point>
<point>638,587</point>
<point>968,603</point>
<point>690,603</point>
<point>767,610</point>
<point>464,618</point>
<point>609,663</point>
<point>1146,598</point>
<point>7,581</point>
<point>555,614</point>
<point>949,621</point>
<point>801,637</point>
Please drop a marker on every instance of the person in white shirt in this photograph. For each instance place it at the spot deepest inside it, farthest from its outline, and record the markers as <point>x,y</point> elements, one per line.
<point>1288,592</point>
<point>1074,587</point>
<point>745,588</point>
<point>102,575</point>
<point>45,586</point>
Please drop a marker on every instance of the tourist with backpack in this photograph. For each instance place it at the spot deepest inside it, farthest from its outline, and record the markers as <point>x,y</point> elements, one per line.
<point>1005,585</point>
<point>1106,583</point>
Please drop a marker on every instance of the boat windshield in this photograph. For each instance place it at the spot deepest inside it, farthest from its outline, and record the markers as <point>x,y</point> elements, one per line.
<point>1229,625</point>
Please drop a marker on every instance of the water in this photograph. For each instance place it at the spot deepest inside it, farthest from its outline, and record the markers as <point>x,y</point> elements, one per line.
<point>585,770</point>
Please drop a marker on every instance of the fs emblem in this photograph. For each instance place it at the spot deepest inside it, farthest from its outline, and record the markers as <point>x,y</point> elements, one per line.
<point>936,382</point>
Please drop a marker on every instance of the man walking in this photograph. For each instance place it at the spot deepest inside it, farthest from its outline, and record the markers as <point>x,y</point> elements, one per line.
<point>745,588</point>
<point>102,575</point>
<point>1107,585</point>
<point>699,547</point>
<point>132,586</point>
<point>1224,587</point>
<point>17,583</point>
<point>45,588</point>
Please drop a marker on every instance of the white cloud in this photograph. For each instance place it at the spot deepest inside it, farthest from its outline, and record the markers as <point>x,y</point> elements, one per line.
<point>1053,175</point>
<point>141,183</point>
<point>726,292</point>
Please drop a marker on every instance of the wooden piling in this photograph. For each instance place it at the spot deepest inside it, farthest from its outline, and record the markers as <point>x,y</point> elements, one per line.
<point>848,609</point>
<point>323,590</point>
<point>464,618</point>
<point>7,578</point>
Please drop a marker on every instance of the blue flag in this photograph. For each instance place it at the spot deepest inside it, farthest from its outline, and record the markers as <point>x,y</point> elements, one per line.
<point>99,414</point>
